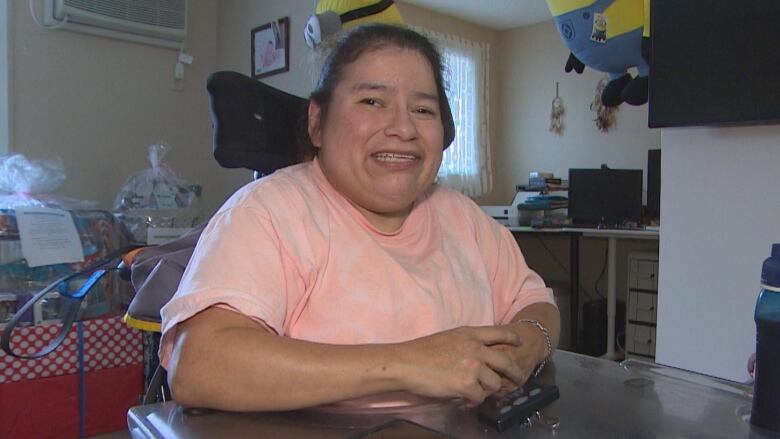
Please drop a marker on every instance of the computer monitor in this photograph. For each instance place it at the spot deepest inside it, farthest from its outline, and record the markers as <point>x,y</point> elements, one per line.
<point>606,197</point>
<point>653,183</point>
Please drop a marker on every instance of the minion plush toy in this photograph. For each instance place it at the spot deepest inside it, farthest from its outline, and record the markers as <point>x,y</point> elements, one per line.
<point>610,36</point>
<point>333,15</point>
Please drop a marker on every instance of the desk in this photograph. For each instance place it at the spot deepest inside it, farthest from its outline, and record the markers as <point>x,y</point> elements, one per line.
<point>599,399</point>
<point>612,236</point>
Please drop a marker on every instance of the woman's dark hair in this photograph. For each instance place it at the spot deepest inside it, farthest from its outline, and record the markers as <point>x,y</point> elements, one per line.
<point>350,45</point>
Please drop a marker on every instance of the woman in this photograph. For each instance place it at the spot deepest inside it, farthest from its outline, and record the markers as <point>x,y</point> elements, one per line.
<point>354,275</point>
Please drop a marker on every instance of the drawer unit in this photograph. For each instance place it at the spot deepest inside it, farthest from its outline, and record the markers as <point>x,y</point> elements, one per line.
<point>640,340</point>
<point>642,304</point>
<point>645,274</point>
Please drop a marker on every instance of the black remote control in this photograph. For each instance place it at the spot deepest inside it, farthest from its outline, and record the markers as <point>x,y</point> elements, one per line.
<point>517,406</point>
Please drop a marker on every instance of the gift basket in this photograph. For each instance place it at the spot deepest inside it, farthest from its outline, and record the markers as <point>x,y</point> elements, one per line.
<point>60,310</point>
<point>30,252</point>
<point>156,205</point>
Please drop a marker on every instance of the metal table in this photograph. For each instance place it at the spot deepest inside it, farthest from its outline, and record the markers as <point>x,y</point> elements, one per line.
<point>599,399</point>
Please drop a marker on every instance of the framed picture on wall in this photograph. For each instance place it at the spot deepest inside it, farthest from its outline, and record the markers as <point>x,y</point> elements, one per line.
<point>271,48</point>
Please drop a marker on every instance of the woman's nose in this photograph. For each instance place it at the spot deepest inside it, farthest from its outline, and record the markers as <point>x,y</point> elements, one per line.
<point>402,124</point>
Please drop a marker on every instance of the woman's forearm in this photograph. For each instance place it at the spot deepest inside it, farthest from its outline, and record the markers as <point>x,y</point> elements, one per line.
<point>218,363</point>
<point>224,360</point>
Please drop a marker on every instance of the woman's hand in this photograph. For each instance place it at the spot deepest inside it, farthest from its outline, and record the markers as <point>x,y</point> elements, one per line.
<point>531,350</point>
<point>460,363</point>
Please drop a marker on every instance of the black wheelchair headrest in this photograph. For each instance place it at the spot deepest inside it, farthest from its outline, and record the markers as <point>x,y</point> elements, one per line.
<point>256,126</point>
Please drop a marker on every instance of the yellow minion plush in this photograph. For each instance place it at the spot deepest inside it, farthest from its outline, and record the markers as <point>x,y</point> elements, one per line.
<point>610,36</point>
<point>333,15</point>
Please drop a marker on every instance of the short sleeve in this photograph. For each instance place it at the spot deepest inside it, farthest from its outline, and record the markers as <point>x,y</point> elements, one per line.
<point>239,262</point>
<point>514,284</point>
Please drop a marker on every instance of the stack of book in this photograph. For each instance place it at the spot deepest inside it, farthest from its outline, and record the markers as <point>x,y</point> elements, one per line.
<point>544,182</point>
<point>544,202</point>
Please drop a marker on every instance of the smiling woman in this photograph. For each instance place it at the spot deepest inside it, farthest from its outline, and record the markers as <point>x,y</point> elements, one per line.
<point>353,278</point>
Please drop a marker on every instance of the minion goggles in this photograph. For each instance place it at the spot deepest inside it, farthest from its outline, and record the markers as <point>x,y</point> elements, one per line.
<point>329,22</point>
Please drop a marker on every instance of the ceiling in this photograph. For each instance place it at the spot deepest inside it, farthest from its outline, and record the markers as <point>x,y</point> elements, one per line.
<point>495,14</point>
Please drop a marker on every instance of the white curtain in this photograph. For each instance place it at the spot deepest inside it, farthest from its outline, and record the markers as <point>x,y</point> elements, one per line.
<point>466,165</point>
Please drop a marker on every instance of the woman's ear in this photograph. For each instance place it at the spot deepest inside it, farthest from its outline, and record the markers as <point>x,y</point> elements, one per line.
<point>315,130</point>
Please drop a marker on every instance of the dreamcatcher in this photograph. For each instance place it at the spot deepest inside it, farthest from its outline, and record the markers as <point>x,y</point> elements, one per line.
<point>605,117</point>
<point>556,114</point>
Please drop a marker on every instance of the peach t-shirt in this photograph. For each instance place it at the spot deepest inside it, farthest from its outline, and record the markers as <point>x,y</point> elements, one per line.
<point>292,253</point>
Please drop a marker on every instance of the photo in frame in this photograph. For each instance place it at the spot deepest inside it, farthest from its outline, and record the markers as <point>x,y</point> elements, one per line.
<point>271,48</point>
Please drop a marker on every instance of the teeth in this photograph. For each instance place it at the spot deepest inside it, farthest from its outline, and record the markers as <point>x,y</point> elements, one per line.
<point>392,157</point>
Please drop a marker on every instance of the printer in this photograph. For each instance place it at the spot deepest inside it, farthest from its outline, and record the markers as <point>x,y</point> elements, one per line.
<point>542,202</point>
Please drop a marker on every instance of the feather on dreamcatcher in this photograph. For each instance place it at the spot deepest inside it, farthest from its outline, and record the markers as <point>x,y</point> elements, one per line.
<point>605,116</point>
<point>556,114</point>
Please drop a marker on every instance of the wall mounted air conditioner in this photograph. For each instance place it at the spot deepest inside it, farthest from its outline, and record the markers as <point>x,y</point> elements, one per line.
<point>155,22</point>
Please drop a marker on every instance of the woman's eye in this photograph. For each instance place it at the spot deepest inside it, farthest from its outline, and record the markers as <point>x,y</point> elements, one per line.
<point>426,111</point>
<point>370,101</point>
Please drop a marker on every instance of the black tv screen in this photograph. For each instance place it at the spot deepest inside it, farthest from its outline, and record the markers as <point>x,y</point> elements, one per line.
<point>653,183</point>
<point>714,62</point>
<point>605,197</point>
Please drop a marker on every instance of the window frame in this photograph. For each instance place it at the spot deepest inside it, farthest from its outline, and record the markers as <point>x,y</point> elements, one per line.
<point>446,51</point>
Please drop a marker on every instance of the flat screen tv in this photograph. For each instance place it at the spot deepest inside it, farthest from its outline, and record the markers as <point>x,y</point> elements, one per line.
<point>714,62</point>
<point>653,183</point>
<point>605,197</point>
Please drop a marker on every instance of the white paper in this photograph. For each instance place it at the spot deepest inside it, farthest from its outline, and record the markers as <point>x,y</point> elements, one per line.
<point>162,235</point>
<point>48,236</point>
<point>165,197</point>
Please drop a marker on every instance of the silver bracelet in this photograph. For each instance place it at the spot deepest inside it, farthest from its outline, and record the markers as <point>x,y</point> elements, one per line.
<point>546,335</point>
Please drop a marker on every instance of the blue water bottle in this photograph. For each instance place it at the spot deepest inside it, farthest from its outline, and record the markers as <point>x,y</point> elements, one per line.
<point>766,390</point>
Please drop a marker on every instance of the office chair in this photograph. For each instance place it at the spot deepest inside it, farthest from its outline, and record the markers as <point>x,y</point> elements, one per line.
<point>256,127</point>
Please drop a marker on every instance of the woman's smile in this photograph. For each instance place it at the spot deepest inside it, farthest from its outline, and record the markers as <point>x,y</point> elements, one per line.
<point>396,161</point>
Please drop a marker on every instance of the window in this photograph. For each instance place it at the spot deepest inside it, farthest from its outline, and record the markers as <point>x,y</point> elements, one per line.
<point>466,164</point>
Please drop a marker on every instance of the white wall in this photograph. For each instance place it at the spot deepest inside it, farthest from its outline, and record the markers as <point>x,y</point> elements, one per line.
<point>98,103</point>
<point>720,212</point>
<point>5,125</point>
<point>532,61</point>
<point>236,20</point>
<point>238,17</point>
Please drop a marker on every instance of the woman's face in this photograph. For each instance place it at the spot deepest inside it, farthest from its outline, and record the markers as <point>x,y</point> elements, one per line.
<point>381,144</point>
